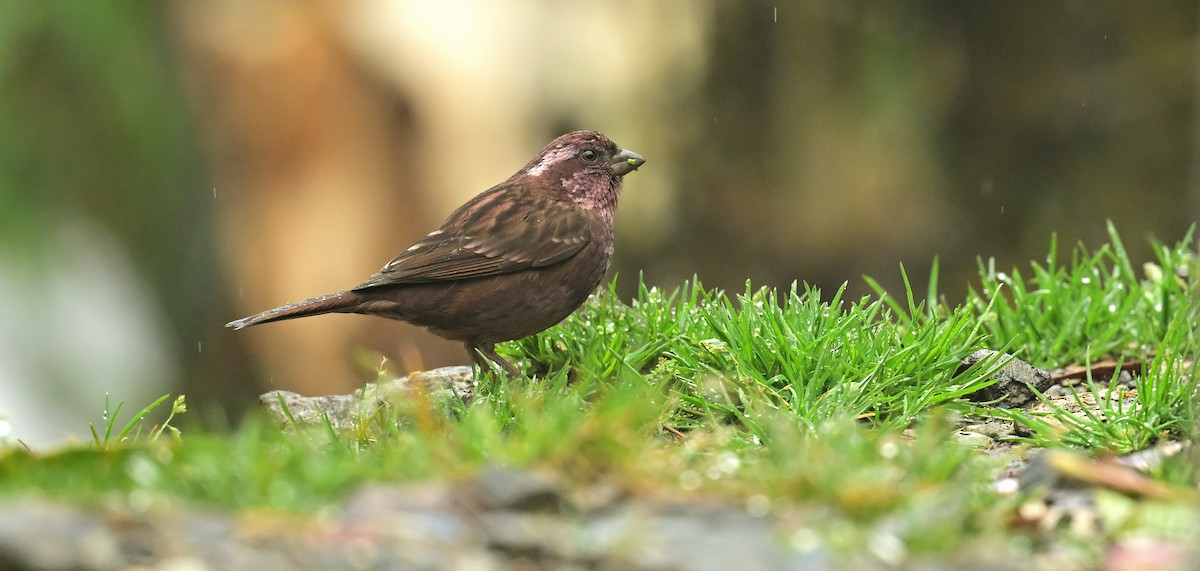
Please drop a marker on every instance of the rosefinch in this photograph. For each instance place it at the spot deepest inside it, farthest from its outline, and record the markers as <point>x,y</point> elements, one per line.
<point>509,263</point>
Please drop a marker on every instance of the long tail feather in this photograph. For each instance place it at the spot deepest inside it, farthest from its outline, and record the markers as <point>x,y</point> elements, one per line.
<point>330,303</point>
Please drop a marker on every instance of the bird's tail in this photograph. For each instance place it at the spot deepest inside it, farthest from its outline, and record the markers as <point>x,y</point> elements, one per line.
<point>330,303</point>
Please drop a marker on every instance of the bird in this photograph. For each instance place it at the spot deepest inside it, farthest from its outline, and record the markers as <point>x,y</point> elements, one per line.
<point>511,262</point>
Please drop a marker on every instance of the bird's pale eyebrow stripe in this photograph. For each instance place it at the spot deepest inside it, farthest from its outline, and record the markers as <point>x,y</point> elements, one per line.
<point>553,157</point>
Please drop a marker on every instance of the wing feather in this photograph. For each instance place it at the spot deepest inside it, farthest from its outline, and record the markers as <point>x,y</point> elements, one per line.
<point>491,235</point>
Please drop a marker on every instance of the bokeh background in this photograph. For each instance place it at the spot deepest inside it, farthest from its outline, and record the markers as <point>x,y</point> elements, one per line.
<point>166,167</point>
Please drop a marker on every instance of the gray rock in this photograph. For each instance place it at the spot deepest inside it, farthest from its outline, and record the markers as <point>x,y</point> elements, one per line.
<point>506,488</point>
<point>343,410</point>
<point>1013,381</point>
<point>49,537</point>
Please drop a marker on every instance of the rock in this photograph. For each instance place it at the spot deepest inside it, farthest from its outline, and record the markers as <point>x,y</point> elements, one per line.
<point>506,488</point>
<point>993,428</point>
<point>288,408</point>
<point>49,537</point>
<point>1014,381</point>
<point>342,410</point>
<point>973,439</point>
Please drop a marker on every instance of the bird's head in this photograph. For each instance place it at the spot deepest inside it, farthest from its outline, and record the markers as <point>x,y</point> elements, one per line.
<point>586,165</point>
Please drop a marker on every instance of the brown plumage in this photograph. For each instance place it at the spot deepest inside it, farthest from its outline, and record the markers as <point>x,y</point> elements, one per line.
<point>509,263</point>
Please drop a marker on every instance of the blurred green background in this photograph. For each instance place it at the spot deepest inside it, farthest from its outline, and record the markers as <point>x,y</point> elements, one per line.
<point>166,167</point>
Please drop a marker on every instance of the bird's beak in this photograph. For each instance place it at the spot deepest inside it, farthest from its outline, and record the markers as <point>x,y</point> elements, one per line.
<point>625,162</point>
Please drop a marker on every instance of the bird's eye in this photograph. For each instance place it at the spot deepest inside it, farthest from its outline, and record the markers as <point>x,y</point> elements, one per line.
<point>588,156</point>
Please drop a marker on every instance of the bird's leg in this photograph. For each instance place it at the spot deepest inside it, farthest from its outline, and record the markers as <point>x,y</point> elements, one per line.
<point>483,352</point>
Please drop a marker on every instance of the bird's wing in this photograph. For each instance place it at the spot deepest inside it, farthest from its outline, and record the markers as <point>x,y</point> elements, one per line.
<point>494,234</point>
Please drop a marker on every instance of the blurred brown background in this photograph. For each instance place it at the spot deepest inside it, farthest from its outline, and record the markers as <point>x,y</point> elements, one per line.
<point>166,167</point>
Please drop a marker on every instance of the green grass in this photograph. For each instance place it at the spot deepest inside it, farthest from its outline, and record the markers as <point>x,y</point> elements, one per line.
<point>737,359</point>
<point>791,401</point>
<point>1093,306</point>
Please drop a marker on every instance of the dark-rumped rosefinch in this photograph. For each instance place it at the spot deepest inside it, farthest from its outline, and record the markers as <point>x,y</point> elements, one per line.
<point>509,263</point>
